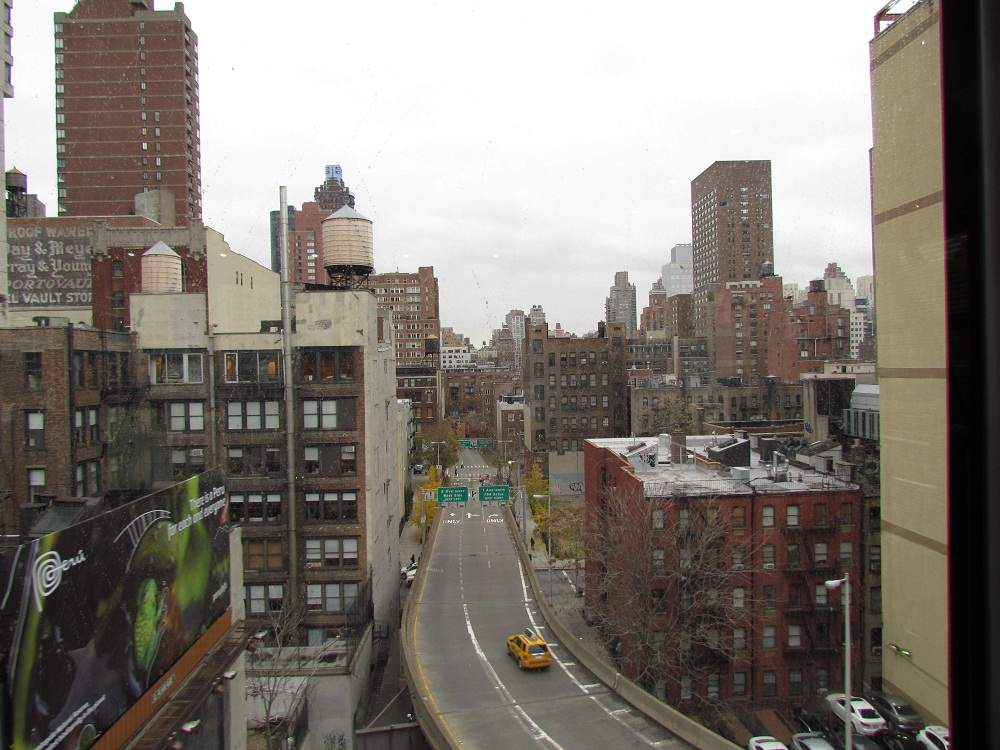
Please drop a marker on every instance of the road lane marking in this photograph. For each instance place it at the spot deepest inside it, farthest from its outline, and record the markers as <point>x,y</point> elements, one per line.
<point>591,686</point>
<point>613,714</point>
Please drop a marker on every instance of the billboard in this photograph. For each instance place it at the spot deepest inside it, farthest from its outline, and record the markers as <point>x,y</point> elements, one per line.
<point>96,613</point>
<point>48,264</point>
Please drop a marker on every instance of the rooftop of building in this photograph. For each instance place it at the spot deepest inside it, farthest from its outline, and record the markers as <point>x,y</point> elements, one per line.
<point>698,474</point>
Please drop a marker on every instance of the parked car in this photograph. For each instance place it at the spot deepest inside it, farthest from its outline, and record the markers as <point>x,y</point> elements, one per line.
<point>897,712</point>
<point>530,650</point>
<point>809,722</point>
<point>863,717</point>
<point>810,741</point>
<point>407,568</point>
<point>410,576</point>
<point>418,468</point>
<point>934,737</point>
<point>896,740</point>
<point>765,742</point>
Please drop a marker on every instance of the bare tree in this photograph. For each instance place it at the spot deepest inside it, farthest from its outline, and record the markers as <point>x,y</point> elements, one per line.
<point>668,587</point>
<point>280,670</point>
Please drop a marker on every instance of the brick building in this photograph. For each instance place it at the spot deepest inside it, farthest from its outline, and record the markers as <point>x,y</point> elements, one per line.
<point>574,388</point>
<point>666,317</point>
<point>64,391</point>
<point>412,299</point>
<point>749,326</point>
<point>730,558</point>
<point>127,114</point>
<point>471,397</point>
<point>813,333</point>
<point>731,226</point>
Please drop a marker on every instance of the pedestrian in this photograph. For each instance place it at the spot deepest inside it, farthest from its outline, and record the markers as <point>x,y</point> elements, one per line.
<point>532,544</point>
<point>413,559</point>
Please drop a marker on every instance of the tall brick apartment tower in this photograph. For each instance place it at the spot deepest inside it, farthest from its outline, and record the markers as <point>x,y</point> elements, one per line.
<point>126,108</point>
<point>731,229</point>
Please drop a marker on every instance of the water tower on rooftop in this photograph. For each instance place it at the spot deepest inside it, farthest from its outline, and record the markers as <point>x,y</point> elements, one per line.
<point>347,248</point>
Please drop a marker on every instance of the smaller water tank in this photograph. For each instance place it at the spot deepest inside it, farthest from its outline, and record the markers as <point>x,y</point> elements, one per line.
<point>161,270</point>
<point>347,242</point>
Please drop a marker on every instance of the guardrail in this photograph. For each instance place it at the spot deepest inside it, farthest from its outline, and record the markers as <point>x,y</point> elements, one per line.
<point>435,730</point>
<point>666,716</point>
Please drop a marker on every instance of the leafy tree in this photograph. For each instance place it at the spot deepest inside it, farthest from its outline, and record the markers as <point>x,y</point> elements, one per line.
<point>428,452</point>
<point>536,483</point>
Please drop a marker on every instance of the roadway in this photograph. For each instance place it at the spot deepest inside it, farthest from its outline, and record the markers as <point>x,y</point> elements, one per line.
<point>475,596</point>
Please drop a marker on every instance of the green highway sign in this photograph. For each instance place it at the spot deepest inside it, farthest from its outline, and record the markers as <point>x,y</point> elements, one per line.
<point>453,494</point>
<point>476,442</point>
<point>494,493</point>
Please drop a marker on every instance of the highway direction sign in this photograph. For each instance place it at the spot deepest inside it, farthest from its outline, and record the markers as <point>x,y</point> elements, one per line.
<point>453,494</point>
<point>494,493</point>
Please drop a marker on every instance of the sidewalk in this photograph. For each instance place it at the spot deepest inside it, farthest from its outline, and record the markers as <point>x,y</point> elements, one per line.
<point>564,600</point>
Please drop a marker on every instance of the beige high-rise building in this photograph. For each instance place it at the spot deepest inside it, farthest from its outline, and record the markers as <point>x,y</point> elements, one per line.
<point>908,230</point>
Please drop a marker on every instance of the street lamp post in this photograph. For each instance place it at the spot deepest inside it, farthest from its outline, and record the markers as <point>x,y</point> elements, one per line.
<point>548,535</point>
<point>438,443</point>
<point>833,586</point>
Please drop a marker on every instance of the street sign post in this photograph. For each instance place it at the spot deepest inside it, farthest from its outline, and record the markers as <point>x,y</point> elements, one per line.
<point>498,493</point>
<point>452,495</point>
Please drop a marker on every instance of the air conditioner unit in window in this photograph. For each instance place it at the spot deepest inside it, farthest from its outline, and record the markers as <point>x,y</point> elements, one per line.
<point>768,566</point>
<point>877,652</point>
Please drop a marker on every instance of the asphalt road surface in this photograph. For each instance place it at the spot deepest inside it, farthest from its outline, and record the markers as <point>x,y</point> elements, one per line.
<point>474,597</point>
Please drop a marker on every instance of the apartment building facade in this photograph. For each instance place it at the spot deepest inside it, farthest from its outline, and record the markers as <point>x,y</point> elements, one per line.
<point>574,388</point>
<point>759,629</point>
<point>127,108</point>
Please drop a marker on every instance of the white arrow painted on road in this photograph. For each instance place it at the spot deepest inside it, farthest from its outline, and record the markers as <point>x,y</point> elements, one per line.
<point>470,515</point>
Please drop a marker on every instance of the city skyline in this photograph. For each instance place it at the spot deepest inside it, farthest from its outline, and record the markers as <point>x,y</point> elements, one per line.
<point>504,172</point>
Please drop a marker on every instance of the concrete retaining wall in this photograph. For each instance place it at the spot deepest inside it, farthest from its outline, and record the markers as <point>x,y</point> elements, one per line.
<point>666,716</point>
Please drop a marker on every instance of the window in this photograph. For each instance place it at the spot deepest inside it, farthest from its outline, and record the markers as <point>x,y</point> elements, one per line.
<point>36,483</point>
<point>328,414</point>
<point>336,507</point>
<point>235,461</point>
<point>117,269</point>
<point>659,567</point>
<point>264,554</point>
<point>794,636</point>
<point>846,552</point>
<point>33,370</point>
<point>332,553</point>
<point>332,597</point>
<point>253,415</point>
<point>737,558</point>
<point>263,599</point>
<point>175,367</point>
<point>311,460</point>
<point>821,595</point>
<point>793,555</point>
<point>684,558</point>
<point>34,429</point>
<point>770,684</point>
<point>822,680</point>
<point>821,515</point>
<point>255,507</point>
<point>739,598</point>
<point>739,683</point>
<point>739,639</point>
<point>792,515</point>
<point>739,517</point>
<point>657,518</point>
<point>795,682</point>
<point>117,298</point>
<point>846,514</point>
<point>819,556</point>
<point>874,558</point>
<point>684,518</point>
<point>769,636</point>
<point>768,551</point>
<point>713,686</point>
<point>685,688</point>
<point>185,462</point>
<point>252,367</point>
<point>769,598</point>
<point>186,416</point>
<point>767,517</point>
<point>875,600</point>
<point>93,426</point>
<point>79,489</point>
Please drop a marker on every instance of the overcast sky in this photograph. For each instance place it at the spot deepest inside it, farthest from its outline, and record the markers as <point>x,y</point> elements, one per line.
<point>526,150</point>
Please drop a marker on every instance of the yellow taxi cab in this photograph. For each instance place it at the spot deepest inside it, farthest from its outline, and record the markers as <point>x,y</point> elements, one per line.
<point>529,650</point>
